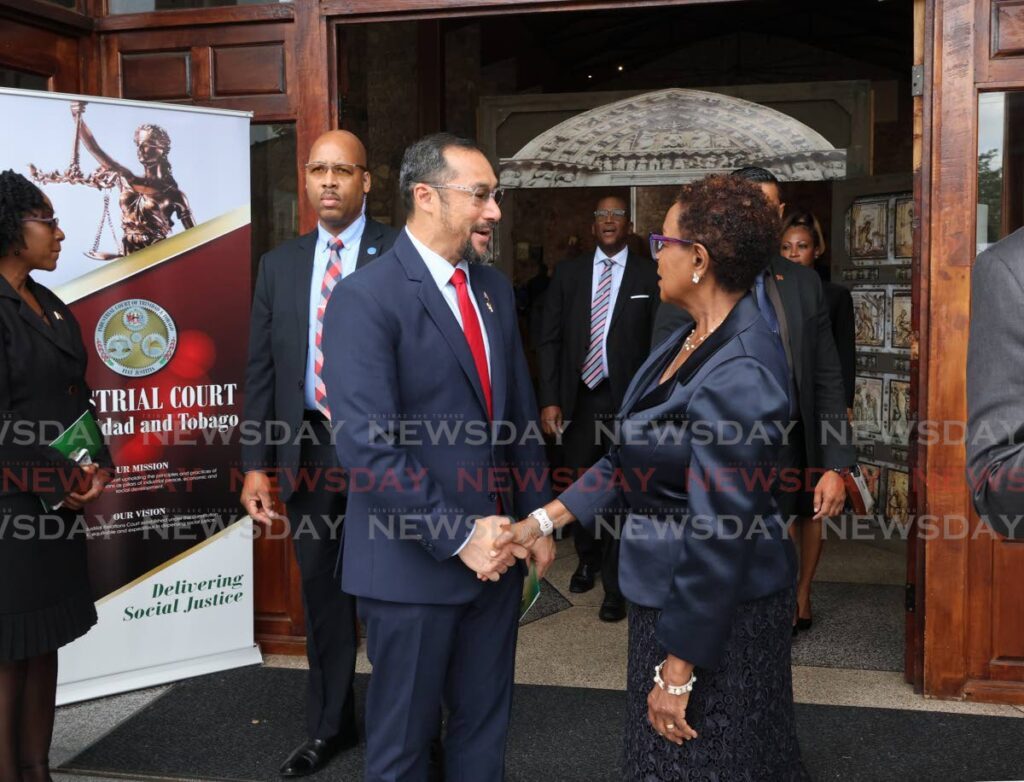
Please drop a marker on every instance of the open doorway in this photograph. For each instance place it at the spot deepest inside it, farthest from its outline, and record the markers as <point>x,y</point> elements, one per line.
<point>843,71</point>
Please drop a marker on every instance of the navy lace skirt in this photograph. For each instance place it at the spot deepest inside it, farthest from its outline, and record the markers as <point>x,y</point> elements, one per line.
<point>743,712</point>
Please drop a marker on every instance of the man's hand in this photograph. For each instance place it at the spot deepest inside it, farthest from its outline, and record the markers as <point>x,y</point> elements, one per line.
<point>829,495</point>
<point>257,499</point>
<point>480,554</point>
<point>525,536</point>
<point>99,479</point>
<point>551,420</point>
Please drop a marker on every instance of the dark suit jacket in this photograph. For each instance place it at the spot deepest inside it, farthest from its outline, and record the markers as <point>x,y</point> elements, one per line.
<point>840,313</point>
<point>678,480</point>
<point>565,333</point>
<point>813,356</point>
<point>995,387</point>
<point>415,419</point>
<point>275,375</point>
<point>42,390</point>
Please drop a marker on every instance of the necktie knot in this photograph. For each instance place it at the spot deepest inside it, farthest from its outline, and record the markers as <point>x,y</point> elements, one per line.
<point>335,245</point>
<point>458,278</point>
<point>607,263</point>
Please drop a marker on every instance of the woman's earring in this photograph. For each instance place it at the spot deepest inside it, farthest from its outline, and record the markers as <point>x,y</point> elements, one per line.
<point>17,252</point>
<point>695,278</point>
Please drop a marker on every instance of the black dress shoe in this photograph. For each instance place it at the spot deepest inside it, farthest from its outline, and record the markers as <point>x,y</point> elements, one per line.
<point>583,579</point>
<point>312,755</point>
<point>613,609</point>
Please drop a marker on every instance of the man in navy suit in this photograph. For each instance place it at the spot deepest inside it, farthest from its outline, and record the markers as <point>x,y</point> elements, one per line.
<point>434,400</point>
<point>280,387</point>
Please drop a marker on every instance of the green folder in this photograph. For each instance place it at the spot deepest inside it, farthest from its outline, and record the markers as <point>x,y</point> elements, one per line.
<point>531,591</point>
<point>83,433</point>
<point>82,438</point>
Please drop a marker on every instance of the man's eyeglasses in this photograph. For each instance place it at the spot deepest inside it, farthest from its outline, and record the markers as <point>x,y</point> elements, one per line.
<point>600,214</point>
<point>658,243</point>
<point>319,168</point>
<point>481,193</point>
<point>53,222</point>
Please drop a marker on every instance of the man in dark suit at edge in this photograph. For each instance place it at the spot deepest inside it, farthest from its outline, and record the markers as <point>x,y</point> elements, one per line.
<point>294,283</point>
<point>793,304</point>
<point>598,316</point>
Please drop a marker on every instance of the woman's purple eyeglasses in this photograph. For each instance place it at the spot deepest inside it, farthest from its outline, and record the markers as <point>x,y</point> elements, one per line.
<point>658,243</point>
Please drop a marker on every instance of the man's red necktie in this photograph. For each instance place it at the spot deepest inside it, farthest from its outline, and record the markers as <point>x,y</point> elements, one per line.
<point>474,336</point>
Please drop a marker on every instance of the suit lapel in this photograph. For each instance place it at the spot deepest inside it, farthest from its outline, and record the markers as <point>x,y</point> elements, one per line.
<point>626,288</point>
<point>784,299</point>
<point>58,331</point>
<point>369,244</point>
<point>582,304</point>
<point>439,311</point>
<point>485,301</point>
<point>645,374</point>
<point>739,319</point>
<point>302,279</point>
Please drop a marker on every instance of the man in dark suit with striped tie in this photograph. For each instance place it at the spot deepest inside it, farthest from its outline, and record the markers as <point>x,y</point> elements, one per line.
<point>283,387</point>
<point>598,318</point>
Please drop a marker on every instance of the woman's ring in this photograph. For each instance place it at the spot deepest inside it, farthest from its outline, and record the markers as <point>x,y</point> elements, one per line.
<point>671,726</point>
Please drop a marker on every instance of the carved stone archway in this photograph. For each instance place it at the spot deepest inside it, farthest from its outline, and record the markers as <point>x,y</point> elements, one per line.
<point>671,136</point>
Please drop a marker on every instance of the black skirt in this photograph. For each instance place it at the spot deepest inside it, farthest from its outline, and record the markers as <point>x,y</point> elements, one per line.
<point>45,598</point>
<point>742,712</point>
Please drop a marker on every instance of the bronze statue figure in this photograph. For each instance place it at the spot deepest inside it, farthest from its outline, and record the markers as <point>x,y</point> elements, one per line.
<point>149,203</point>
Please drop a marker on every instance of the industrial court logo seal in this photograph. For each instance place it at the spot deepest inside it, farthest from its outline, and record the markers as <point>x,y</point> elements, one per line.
<point>136,337</point>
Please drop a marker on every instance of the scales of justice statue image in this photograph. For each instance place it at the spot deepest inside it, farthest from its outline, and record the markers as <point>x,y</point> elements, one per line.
<point>149,203</point>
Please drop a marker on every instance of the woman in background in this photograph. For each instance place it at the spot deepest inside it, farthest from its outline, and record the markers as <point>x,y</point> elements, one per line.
<point>45,599</point>
<point>804,243</point>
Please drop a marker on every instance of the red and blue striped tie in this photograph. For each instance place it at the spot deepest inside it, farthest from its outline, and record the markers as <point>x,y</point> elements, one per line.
<point>331,277</point>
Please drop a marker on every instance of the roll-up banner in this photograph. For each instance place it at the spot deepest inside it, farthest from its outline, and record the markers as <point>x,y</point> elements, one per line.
<point>154,202</point>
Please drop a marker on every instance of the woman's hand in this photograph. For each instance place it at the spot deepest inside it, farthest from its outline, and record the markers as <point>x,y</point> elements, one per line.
<point>525,536</point>
<point>667,713</point>
<point>99,480</point>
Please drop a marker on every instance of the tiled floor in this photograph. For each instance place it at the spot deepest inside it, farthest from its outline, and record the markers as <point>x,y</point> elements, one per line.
<point>858,609</point>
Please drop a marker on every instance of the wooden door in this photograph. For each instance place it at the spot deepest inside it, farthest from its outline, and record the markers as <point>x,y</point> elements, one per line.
<point>41,47</point>
<point>270,60</point>
<point>973,636</point>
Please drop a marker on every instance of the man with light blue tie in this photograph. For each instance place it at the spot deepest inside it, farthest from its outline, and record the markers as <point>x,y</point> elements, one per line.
<point>284,390</point>
<point>598,318</point>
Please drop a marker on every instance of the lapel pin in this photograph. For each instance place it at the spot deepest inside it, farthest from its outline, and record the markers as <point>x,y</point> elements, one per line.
<point>487,302</point>
<point>778,276</point>
<point>58,316</point>
<point>371,250</point>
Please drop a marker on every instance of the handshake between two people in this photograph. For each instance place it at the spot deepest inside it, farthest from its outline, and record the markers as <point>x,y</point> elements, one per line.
<point>497,542</point>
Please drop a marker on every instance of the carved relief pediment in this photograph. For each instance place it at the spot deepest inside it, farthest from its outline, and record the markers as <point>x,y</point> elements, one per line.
<point>668,137</point>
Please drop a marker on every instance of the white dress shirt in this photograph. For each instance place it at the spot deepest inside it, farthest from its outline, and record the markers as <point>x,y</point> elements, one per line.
<point>618,269</point>
<point>351,237</point>
<point>442,270</point>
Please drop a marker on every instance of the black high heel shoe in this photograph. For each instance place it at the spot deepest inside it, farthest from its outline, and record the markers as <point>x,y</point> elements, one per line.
<point>802,625</point>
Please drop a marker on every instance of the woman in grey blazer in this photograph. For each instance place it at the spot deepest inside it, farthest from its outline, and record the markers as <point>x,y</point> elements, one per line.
<point>705,559</point>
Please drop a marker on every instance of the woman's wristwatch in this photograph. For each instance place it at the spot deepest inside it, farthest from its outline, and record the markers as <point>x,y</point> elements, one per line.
<point>673,689</point>
<point>547,526</point>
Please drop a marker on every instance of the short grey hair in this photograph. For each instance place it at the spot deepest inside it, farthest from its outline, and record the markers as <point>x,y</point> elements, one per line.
<point>424,161</point>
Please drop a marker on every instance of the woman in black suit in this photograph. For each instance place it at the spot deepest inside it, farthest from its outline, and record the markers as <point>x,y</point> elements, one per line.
<point>804,243</point>
<point>704,557</point>
<point>45,599</point>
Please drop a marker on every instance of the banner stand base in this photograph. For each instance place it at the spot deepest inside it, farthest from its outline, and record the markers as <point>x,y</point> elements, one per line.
<point>89,689</point>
